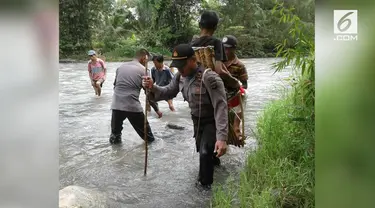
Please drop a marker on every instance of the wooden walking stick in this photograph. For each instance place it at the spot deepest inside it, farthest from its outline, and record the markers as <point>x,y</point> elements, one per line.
<point>145,125</point>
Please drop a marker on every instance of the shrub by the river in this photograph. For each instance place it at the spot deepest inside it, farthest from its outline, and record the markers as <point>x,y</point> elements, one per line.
<point>280,173</point>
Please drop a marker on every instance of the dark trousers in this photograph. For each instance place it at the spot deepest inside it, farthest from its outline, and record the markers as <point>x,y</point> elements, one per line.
<point>205,143</point>
<point>136,119</point>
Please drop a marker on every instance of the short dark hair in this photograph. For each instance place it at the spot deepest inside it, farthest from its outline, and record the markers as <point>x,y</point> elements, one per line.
<point>158,58</point>
<point>209,20</point>
<point>141,52</point>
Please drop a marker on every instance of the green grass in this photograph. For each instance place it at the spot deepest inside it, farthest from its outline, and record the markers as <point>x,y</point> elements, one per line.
<point>280,173</point>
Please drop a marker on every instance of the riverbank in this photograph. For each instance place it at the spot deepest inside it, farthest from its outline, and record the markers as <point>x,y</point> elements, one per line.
<point>280,173</point>
<point>117,58</point>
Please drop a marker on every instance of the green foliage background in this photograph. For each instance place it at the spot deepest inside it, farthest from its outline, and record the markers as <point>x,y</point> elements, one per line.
<point>116,28</point>
<point>281,172</point>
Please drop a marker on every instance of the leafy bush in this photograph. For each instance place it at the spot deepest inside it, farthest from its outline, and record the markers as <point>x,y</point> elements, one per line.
<point>280,173</point>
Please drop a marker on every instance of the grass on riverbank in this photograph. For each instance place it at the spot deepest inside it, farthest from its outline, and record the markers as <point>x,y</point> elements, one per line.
<point>280,173</point>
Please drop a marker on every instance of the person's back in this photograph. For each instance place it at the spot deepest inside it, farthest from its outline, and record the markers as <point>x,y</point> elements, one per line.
<point>128,85</point>
<point>205,41</point>
<point>208,24</point>
<point>126,104</point>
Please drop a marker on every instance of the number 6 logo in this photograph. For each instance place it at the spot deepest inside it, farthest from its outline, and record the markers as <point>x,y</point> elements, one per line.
<point>345,21</point>
<point>342,20</point>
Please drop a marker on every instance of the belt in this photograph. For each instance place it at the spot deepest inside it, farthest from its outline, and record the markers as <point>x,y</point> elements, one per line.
<point>210,119</point>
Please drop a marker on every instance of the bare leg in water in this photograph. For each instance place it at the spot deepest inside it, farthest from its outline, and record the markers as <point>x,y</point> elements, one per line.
<point>236,125</point>
<point>94,86</point>
<point>155,106</point>
<point>98,87</point>
<point>170,103</point>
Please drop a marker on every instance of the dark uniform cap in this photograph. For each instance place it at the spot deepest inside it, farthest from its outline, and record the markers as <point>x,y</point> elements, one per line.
<point>180,55</point>
<point>230,41</point>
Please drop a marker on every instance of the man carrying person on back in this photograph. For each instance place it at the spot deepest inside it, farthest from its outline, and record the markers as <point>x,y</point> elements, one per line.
<point>125,103</point>
<point>215,60</point>
<point>97,72</point>
<point>238,71</point>
<point>204,91</point>
<point>162,76</point>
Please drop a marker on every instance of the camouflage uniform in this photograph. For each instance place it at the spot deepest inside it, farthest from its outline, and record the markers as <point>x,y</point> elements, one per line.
<point>237,70</point>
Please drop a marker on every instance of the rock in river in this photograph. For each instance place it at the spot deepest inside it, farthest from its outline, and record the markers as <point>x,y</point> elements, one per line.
<point>79,197</point>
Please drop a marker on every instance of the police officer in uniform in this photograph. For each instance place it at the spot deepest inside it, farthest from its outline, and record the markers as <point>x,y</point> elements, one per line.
<point>205,93</point>
<point>125,102</point>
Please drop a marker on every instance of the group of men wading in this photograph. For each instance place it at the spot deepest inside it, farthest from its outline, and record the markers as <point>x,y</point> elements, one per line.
<point>206,90</point>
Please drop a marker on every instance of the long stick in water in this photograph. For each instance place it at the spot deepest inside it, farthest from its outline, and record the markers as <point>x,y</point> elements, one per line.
<point>145,126</point>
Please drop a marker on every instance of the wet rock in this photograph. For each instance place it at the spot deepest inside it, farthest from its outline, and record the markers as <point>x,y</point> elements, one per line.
<point>174,126</point>
<point>79,197</point>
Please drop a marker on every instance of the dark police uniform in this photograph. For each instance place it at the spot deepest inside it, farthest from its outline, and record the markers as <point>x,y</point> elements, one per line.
<point>207,100</point>
<point>126,103</point>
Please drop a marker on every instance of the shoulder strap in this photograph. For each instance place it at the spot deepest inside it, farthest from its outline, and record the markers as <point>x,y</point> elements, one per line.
<point>202,83</point>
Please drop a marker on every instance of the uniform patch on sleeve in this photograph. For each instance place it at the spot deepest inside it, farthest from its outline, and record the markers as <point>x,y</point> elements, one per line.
<point>213,82</point>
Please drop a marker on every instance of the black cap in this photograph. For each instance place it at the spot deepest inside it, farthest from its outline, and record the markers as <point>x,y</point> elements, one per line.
<point>180,54</point>
<point>209,20</point>
<point>230,41</point>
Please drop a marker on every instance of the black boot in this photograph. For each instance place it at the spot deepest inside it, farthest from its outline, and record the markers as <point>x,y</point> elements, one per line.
<point>150,140</point>
<point>206,170</point>
<point>216,161</point>
<point>202,185</point>
<point>115,139</point>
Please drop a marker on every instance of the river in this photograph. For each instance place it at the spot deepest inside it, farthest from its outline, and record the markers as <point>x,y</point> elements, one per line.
<point>88,160</point>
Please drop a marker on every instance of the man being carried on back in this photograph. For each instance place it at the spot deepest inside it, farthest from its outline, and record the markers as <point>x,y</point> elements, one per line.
<point>208,24</point>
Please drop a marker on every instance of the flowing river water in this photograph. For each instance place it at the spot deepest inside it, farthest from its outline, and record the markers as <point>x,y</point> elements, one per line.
<point>88,160</point>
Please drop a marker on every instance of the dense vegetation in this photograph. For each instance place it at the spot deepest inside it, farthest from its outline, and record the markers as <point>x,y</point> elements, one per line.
<point>117,28</point>
<point>280,173</point>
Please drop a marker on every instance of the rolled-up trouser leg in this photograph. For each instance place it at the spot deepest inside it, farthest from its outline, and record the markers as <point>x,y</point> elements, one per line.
<point>206,154</point>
